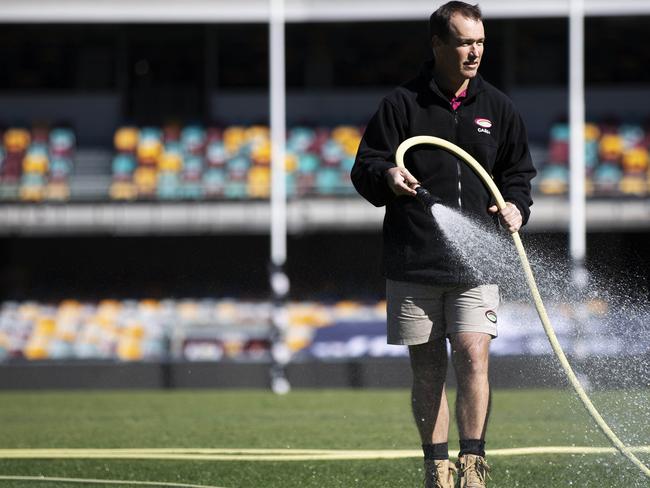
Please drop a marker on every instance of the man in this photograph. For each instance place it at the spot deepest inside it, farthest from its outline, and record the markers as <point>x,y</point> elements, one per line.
<point>430,295</point>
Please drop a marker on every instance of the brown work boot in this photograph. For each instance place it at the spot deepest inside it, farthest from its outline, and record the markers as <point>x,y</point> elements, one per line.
<point>472,471</point>
<point>438,473</point>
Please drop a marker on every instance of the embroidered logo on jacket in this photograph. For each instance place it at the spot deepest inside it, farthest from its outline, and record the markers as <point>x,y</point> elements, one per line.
<point>483,124</point>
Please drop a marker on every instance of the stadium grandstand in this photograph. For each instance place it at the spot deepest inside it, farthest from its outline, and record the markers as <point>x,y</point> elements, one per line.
<point>135,169</point>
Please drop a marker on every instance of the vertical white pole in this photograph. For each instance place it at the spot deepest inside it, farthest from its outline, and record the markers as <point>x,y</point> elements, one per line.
<point>277,276</point>
<point>577,194</point>
<point>278,135</point>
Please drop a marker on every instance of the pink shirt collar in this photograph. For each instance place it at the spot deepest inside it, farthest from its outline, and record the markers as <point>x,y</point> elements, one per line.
<point>458,99</point>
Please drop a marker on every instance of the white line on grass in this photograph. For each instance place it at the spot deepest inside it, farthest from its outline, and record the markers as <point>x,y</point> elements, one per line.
<point>103,482</point>
<point>277,454</point>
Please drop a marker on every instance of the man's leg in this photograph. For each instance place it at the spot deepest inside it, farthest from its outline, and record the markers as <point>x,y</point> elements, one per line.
<point>470,353</point>
<point>428,396</point>
<point>431,411</point>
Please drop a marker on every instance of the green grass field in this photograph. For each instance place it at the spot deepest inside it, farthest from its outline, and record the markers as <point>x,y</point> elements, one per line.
<point>305,419</point>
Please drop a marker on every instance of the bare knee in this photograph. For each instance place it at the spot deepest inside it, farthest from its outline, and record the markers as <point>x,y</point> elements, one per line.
<point>429,362</point>
<point>470,352</point>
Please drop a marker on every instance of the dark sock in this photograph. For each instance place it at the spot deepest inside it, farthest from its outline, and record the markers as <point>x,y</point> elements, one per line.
<point>437,452</point>
<point>472,446</point>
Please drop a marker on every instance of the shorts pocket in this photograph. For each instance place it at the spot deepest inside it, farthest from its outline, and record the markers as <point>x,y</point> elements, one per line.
<point>490,296</point>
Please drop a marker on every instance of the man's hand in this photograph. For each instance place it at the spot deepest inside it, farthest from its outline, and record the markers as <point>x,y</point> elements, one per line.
<point>510,216</point>
<point>401,181</point>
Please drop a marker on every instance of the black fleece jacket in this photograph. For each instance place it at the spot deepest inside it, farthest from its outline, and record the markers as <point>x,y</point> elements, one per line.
<point>486,125</point>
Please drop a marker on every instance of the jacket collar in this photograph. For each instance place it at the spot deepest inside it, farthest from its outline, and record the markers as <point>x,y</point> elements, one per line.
<point>476,84</point>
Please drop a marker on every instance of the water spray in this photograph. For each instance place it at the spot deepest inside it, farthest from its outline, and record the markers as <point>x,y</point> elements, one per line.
<point>425,196</point>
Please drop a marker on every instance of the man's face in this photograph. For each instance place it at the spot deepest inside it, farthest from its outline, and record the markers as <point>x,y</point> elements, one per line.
<point>459,56</point>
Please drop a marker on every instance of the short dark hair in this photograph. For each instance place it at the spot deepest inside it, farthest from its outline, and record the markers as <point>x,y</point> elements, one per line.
<point>439,20</point>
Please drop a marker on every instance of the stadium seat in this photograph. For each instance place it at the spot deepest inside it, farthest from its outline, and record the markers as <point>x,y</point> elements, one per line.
<point>192,168</point>
<point>611,148</point>
<point>148,151</point>
<point>126,139</point>
<point>554,180</point>
<point>145,180</point>
<point>36,159</point>
<point>123,190</point>
<point>636,160</point>
<point>62,141</point>
<point>193,139</point>
<point>633,185</point>
<point>606,178</point>
<point>214,182</point>
<point>259,182</point>
<point>17,140</point>
<point>170,161</point>
<point>123,166</point>
<point>216,154</point>
<point>328,181</point>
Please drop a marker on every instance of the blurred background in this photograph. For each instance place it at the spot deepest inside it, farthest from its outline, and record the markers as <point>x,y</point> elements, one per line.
<point>135,182</point>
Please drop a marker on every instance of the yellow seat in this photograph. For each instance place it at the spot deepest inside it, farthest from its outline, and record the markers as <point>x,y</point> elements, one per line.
<point>36,348</point>
<point>57,192</point>
<point>123,190</point>
<point>129,349</point>
<point>233,139</point>
<point>261,152</point>
<point>126,139</point>
<point>259,182</point>
<point>592,132</point>
<point>611,147</point>
<point>145,179</point>
<point>170,161</point>
<point>636,160</point>
<point>45,326</point>
<point>633,185</point>
<point>32,193</point>
<point>16,140</point>
<point>149,151</point>
<point>35,163</point>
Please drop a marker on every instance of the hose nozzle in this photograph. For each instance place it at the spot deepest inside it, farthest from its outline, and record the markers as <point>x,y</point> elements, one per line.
<point>426,199</point>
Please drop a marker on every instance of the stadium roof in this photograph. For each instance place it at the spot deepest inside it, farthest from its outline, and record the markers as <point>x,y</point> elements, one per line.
<point>201,11</point>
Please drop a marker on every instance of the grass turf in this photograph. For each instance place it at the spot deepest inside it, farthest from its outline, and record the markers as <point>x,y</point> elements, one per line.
<point>316,419</point>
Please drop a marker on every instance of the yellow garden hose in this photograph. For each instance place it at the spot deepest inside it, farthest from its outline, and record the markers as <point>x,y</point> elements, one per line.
<point>539,305</point>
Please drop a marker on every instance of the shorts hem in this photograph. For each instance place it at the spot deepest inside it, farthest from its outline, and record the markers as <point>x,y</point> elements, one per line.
<point>412,341</point>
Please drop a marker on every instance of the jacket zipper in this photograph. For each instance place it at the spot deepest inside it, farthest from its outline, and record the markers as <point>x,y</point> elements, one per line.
<point>458,167</point>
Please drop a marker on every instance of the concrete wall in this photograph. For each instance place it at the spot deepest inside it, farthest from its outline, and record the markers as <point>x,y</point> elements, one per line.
<point>505,372</point>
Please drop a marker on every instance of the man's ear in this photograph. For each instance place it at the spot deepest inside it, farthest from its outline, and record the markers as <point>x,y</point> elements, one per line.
<point>436,42</point>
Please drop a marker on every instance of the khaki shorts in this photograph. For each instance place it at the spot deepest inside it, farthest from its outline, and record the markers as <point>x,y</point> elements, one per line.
<point>420,313</point>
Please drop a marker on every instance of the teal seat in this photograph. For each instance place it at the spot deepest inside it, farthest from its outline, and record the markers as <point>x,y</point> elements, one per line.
<point>174,147</point>
<point>62,140</point>
<point>236,190</point>
<point>193,138</point>
<point>123,164</point>
<point>216,154</point>
<point>308,163</point>
<point>332,153</point>
<point>150,133</point>
<point>193,164</point>
<point>607,174</point>
<point>347,163</point>
<point>300,139</point>
<point>192,190</point>
<point>238,167</point>
<point>560,132</point>
<point>591,154</point>
<point>60,166</point>
<point>328,181</point>
<point>632,135</point>
<point>214,176</point>
<point>32,180</point>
